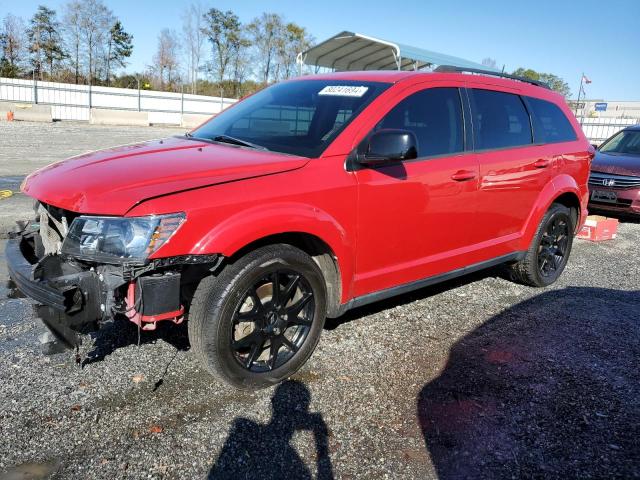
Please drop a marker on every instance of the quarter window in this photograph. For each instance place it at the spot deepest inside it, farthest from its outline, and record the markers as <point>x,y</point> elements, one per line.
<point>500,120</point>
<point>434,116</point>
<point>550,125</point>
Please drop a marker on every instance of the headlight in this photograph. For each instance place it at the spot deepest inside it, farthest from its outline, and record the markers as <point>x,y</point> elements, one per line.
<point>119,239</point>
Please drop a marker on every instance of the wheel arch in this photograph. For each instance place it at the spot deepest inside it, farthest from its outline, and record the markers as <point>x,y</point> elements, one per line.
<point>562,189</point>
<point>304,226</point>
<point>319,250</point>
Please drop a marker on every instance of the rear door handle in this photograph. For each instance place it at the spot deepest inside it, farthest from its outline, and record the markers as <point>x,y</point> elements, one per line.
<point>463,175</point>
<point>542,163</point>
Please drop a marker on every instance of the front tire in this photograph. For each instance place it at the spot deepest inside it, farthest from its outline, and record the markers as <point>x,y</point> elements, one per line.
<point>549,251</point>
<point>260,319</point>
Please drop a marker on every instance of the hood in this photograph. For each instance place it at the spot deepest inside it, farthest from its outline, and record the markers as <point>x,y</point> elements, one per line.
<point>111,182</point>
<point>616,163</point>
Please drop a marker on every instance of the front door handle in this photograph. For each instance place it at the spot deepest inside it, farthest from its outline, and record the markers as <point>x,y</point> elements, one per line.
<point>542,163</point>
<point>463,175</point>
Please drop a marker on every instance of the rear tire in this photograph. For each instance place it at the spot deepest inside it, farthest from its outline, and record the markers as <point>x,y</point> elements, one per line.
<point>260,319</point>
<point>549,251</point>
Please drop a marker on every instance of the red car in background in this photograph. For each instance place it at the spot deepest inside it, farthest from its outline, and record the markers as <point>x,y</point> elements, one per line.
<point>307,199</point>
<point>615,173</point>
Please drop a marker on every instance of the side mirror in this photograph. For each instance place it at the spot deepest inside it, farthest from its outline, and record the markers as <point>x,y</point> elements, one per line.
<point>388,146</point>
<point>595,146</point>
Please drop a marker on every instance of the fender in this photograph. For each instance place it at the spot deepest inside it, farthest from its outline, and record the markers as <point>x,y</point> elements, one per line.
<point>243,228</point>
<point>556,186</point>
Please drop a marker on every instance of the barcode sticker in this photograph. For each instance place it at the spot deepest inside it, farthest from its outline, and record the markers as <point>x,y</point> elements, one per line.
<point>343,91</point>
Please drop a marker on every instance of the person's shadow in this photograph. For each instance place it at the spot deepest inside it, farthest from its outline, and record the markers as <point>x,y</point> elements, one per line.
<point>548,388</point>
<point>254,451</point>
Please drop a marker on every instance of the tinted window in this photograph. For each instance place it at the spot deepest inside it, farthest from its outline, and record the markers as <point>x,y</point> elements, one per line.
<point>499,120</point>
<point>550,124</point>
<point>626,142</point>
<point>435,116</point>
<point>298,117</point>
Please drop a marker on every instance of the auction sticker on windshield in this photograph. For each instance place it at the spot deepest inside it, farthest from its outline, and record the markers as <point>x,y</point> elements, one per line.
<point>343,91</point>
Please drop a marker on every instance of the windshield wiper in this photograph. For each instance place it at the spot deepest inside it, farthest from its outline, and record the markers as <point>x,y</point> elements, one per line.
<point>237,141</point>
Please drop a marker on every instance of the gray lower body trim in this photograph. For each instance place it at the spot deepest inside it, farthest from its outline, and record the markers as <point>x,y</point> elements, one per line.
<point>425,282</point>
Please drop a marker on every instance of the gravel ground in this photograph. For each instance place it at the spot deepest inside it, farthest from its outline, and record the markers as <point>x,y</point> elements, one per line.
<point>477,378</point>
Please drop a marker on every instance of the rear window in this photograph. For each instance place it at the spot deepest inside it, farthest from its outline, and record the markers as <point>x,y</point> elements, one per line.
<point>550,125</point>
<point>500,120</point>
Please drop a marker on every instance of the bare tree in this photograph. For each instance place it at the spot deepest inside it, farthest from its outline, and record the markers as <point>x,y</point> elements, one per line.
<point>95,21</point>
<point>193,37</point>
<point>13,46</point>
<point>165,61</point>
<point>73,33</point>
<point>265,32</point>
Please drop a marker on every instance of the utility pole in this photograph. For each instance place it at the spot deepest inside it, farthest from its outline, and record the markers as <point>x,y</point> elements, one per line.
<point>579,92</point>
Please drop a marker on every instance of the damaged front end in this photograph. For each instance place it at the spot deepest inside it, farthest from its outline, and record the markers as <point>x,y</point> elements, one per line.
<point>83,271</point>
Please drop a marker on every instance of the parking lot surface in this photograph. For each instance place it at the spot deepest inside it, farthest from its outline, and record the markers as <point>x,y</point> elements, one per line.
<point>477,378</point>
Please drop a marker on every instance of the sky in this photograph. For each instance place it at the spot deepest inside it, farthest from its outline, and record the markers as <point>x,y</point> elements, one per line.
<point>600,38</point>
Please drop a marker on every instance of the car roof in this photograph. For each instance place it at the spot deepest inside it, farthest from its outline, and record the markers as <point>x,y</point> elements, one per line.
<point>396,76</point>
<point>633,127</point>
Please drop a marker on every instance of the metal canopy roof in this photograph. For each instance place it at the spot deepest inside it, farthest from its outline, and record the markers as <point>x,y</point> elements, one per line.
<point>354,51</point>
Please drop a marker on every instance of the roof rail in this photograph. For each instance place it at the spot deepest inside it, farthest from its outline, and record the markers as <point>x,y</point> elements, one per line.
<point>453,68</point>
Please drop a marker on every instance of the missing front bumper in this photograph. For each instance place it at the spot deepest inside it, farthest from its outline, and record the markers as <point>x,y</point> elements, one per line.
<point>68,301</point>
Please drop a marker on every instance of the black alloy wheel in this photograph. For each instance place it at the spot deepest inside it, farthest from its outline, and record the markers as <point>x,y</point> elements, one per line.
<point>259,320</point>
<point>272,321</point>
<point>553,247</point>
<point>549,250</point>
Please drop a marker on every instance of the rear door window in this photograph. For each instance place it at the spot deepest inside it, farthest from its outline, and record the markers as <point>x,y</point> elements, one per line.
<point>434,115</point>
<point>500,120</point>
<point>550,125</point>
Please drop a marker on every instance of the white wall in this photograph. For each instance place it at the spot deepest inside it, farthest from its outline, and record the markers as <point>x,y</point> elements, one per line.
<point>71,102</point>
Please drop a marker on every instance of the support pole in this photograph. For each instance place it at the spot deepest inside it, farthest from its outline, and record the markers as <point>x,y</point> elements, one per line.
<point>579,92</point>
<point>35,87</point>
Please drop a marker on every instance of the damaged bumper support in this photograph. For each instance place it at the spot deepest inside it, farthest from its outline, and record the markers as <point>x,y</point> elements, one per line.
<point>68,303</point>
<point>74,297</point>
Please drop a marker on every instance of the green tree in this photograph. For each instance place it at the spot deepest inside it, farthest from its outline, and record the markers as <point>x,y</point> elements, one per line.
<point>292,40</point>
<point>266,36</point>
<point>45,42</point>
<point>223,30</point>
<point>556,83</point>
<point>119,48</point>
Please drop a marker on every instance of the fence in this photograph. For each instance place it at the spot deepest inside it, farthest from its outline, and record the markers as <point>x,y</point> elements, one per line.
<point>598,130</point>
<point>74,102</point>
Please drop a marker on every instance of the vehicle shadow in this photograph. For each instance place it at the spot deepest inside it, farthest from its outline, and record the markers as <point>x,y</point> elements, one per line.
<point>549,388</point>
<point>260,451</point>
<point>122,333</point>
<point>420,294</point>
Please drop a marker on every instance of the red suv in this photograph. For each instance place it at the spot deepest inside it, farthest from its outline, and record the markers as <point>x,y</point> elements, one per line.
<point>307,199</point>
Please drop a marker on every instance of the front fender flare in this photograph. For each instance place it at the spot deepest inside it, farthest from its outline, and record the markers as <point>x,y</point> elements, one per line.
<point>248,226</point>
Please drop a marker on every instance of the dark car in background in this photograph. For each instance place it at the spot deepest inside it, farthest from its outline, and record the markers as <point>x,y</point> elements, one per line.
<point>614,183</point>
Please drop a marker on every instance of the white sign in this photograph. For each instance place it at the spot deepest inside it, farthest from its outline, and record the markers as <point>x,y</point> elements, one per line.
<point>343,91</point>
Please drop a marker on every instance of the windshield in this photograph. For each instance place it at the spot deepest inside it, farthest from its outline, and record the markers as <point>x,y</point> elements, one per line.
<point>298,118</point>
<point>627,142</point>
